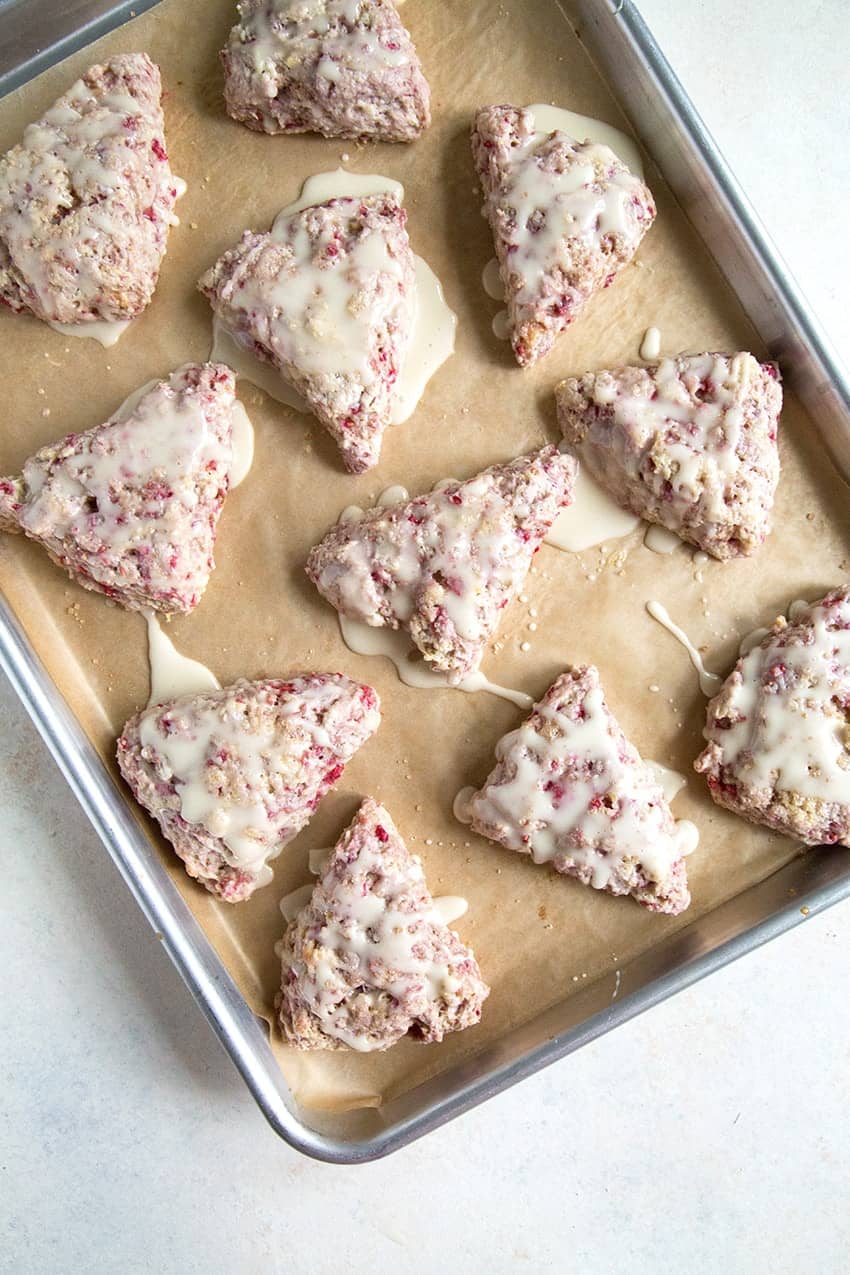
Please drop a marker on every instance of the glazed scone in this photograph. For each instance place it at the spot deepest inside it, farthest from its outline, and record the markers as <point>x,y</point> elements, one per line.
<point>569,789</point>
<point>130,508</point>
<point>328,297</point>
<point>566,217</point>
<point>343,68</point>
<point>232,776</point>
<point>689,443</point>
<point>444,565</point>
<point>369,960</point>
<point>87,200</point>
<point>778,732</point>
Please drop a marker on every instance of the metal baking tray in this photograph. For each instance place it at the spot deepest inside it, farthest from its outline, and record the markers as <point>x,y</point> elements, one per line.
<point>34,34</point>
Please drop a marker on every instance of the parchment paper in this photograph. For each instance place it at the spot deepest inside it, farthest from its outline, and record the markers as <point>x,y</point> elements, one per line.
<point>538,936</point>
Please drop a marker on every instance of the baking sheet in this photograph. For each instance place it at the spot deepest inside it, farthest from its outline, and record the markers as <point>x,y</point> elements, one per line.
<point>538,937</point>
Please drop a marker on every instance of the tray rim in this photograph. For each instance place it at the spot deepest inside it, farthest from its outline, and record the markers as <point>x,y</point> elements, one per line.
<point>110,814</point>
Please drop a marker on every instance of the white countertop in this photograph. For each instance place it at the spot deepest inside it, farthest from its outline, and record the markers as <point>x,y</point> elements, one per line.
<point>711,1135</point>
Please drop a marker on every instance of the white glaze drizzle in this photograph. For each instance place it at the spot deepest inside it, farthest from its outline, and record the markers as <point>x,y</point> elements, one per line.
<point>660,539</point>
<point>451,526</point>
<point>247,827</point>
<point>319,327</point>
<point>460,805</point>
<point>548,818</point>
<point>451,907</point>
<point>709,683</point>
<point>171,439</point>
<point>351,513</point>
<point>448,908</point>
<point>591,518</point>
<point>131,402</point>
<point>491,281</point>
<point>412,669</point>
<point>173,674</point>
<point>67,143</point>
<point>582,128</point>
<point>246,366</point>
<point>650,346</point>
<point>432,338</point>
<point>501,325</point>
<point>583,209</point>
<point>291,904</point>
<point>291,29</point>
<point>241,437</point>
<point>390,496</point>
<point>431,344</point>
<point>369,928</point>
<point>317,859</point>
<point>784,725</point>
<point>752,639</point>
<point>669,781</point>
<point>242,441</point>
<point>700,462</point>
<point>105,331</point>
<point>337,184</point>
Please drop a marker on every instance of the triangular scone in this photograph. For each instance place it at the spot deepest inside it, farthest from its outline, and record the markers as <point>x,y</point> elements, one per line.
<point>327,66</point>
<point>566,217</point>
<point>689,443</point>
<point>369,959</point>
<point>328,297</point>
<point>87,200</point>
<point>130,508</point>
<point>569,789</point>
<point>232,776</point>
<point>444,566</point>
<point>779,730</point>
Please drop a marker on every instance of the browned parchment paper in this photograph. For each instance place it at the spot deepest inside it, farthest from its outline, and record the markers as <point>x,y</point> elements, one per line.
<point>533,932</point>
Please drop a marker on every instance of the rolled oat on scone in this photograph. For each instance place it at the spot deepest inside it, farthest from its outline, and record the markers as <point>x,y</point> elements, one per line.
<point>369,960</point>
<point>231,776</point>
<point>87,200</point>
<point>443,566</point>
<point>566,216</point>
<point>130,508</point>
<point>328,298</point>
<point>570,789</point>
<point>342,68</point>
<point>778,731</point>
<point>689,443</point>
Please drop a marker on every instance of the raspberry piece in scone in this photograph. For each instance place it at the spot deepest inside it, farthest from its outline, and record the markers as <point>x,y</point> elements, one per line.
<point>779,730</point>
<point>328,297</point>
<point>566,217</point>
<point>569,789</point>
<point>369,959</point>
<point>232,776</point>
<point>689,443</point>
<point>336,67</point>
<point>445,565</point>
<point>87,200</point>
<point>130,508</point>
